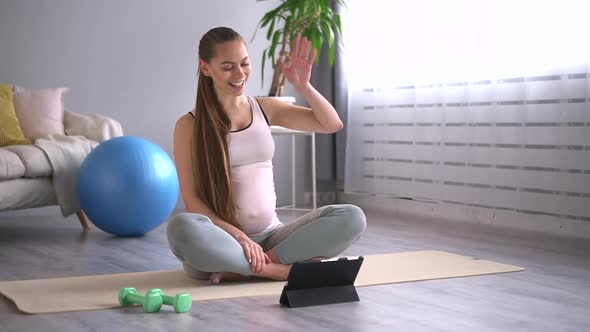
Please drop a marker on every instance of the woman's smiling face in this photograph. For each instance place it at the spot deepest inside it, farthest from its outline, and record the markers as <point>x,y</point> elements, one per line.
<point>229,68</point>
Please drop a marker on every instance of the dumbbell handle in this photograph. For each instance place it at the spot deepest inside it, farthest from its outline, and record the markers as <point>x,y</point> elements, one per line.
<point>135,298</point>
<point>150,302</point>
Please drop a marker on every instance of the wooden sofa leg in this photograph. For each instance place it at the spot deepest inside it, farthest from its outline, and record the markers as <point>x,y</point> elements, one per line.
<point>83,220</point>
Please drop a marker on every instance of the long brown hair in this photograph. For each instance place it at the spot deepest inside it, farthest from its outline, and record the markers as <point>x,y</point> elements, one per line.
<point>211,164</point>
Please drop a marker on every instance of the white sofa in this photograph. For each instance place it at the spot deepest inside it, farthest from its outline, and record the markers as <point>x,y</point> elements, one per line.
<point>26,172</point>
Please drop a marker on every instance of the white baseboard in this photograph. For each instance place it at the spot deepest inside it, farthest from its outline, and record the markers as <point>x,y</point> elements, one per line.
<point>456,213</point>
<point>40,211</point>
<point>55,210</point>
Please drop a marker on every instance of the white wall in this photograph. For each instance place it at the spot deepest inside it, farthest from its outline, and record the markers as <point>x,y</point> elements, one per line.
<point>133,60</point>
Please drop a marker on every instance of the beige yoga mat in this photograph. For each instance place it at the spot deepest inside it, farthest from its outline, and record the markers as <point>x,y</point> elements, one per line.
<point>101,291</point>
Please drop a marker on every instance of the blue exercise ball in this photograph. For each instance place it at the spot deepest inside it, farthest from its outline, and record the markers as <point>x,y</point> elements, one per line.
<point>127,186</point>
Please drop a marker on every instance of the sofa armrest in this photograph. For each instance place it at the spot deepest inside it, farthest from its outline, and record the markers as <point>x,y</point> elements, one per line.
<point>95,127</point>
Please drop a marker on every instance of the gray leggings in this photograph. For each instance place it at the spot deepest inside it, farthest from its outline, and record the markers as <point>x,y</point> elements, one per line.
<point>203,247</point>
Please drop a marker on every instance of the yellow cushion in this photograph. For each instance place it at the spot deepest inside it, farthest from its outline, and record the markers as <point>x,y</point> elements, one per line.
<point>10,130</point>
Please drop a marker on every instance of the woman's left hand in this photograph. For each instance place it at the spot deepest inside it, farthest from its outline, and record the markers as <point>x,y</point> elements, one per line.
<point>298,68</point>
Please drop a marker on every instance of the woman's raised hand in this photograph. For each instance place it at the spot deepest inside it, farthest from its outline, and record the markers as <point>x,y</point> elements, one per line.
<point>297,69</point>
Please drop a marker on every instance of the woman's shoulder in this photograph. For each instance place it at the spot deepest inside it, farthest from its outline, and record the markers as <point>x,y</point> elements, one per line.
<point>187,117</point>
<point>185,122</point>
<point>273,103</point>
<point>267,103</point>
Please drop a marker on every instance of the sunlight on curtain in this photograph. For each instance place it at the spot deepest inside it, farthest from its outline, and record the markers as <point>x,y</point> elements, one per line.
<point>478,103</point>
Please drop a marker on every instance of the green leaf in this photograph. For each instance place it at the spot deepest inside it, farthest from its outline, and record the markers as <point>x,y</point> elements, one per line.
<point>338,25</point>
<point>273,45</point>
<point>262,68</point>
<point>271,28</point>
<point>310,34</point>
<point>287,27</point>
<point>330,35</point>
<point>261,24</point>
<point>274,42</point>
<point>318,44</point>
<point>328,16</point>
<point>295,27</point>
<point>269,16</point>
<point>317,40</point>
<point>316,6</point>
<point>293,5</point>
<point>281,8</point>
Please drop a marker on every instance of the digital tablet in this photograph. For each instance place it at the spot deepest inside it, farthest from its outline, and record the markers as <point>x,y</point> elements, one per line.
<point>322,282</point>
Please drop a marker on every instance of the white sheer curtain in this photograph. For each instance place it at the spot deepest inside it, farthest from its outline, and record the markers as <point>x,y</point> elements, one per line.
<point>477,103</point>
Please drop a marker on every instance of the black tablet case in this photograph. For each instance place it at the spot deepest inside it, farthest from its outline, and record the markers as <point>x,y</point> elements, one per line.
<point>321,282</point>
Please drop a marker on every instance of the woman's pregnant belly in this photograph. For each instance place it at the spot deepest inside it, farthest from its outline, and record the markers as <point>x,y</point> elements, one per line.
<point>254,196</point>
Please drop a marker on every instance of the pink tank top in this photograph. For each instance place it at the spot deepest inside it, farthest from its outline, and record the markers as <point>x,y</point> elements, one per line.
<point>250,151</point>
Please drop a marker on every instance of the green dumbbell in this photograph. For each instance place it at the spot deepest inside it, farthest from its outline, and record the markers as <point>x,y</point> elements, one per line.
<point>152,301</point>
<point>181,302</point>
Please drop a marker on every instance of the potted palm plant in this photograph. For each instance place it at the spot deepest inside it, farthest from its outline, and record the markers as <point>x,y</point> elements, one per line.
<point>312,19</point>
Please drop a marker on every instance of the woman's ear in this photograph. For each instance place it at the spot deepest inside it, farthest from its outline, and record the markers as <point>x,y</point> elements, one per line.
<point>204,67</point>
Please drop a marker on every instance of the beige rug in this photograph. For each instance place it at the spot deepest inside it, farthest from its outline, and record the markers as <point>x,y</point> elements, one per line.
<point>101,291</point>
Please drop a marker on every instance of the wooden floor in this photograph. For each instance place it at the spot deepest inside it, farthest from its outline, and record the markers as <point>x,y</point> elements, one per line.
<point>553,294</point>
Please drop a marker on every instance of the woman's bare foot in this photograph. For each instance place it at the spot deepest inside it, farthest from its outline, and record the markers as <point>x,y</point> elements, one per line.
<point>218,277</point>
<point>272,271</point>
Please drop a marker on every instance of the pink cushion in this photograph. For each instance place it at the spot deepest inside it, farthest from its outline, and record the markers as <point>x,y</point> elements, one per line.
<point>40,112</point>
